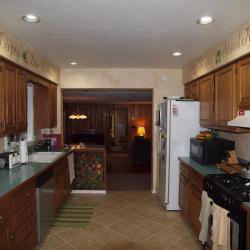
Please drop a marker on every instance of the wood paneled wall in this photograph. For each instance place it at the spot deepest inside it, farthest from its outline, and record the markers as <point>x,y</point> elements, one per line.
<point>99,118</point>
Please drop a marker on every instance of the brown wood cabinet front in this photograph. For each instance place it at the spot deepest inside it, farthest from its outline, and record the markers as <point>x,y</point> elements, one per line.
<point>184,187</point>
<point>5,236</point>
<point>243,83</point>
<point>191,90</point>
<point>2,111</point>
<point>61,183</point>
<point>9,98</point>
<point>41,106</point>
<point>190,189</point>
<point>187,91</point>
<point>21,101</point>
<point>225,103</point>
<point>206,90</point>
<point>52,106</point>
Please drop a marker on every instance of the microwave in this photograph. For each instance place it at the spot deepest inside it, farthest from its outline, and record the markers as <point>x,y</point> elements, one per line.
<point>208,152</point>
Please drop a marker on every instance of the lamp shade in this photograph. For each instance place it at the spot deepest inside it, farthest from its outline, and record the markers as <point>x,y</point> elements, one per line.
<point>141,131</point>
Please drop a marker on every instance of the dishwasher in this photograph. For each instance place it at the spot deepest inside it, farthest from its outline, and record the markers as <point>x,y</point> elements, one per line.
<point>44,203</point>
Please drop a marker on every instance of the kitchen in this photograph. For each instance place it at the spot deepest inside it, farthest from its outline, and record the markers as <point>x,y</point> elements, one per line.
<point>99,58</point>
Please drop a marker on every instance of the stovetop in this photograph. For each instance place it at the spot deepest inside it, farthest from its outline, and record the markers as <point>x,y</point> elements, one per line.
<point>235,185</point>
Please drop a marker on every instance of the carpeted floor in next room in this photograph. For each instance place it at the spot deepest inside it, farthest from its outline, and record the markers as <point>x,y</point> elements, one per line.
<point>124,221</point>
<point>124,174</point>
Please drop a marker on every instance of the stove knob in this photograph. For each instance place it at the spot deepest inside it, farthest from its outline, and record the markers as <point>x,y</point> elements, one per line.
<point>244,195</point>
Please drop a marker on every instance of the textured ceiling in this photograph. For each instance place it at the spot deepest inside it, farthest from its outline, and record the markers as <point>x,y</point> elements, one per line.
<point>122,33</point>
<point>107,96</point>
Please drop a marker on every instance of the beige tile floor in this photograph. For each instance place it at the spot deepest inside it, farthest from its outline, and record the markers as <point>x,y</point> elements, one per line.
<point>125,221</point>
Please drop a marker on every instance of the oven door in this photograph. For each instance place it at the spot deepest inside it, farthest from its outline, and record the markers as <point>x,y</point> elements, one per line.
<point>235,241</point>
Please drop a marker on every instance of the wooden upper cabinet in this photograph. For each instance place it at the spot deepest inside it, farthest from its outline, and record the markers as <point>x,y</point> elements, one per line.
<point>21,101</point>
<point>195,87</point>
<point>2,115</point>
<point>41,102</point>
<point>191,90</point>
<point>225,105</point>
<point>9,98</point>
<point>187,91</point>
<point>206,90</point>
<point>52,106</point>
<point>243,83</point>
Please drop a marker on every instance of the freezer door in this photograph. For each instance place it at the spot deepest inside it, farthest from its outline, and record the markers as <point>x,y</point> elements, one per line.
<point>164,158</point>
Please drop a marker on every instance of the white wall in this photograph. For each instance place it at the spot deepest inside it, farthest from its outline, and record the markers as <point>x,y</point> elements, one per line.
<point>164,82</point>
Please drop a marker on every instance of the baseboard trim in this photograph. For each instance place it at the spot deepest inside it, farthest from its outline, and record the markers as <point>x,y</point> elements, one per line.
<point>88,191</point>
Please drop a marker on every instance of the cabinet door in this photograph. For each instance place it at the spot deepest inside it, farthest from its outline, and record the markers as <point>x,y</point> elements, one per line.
<point>184,196</point>
<point>194,209</point>
<point>225,104</point>
<point>206,100</point>
<point>41,111</point>
<point>2,111</point>
<point>5,236</point>
<point>187,91</point>
<point>9,98</point>
<point>243,83</point>
<point>195,90</point>
<point>21,101</point>
<point>52,106</point>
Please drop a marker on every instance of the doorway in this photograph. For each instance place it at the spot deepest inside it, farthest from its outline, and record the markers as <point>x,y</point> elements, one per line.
<point>121,121</point>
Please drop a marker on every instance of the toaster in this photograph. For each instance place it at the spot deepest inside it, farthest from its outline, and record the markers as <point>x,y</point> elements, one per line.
<point>9,160</point>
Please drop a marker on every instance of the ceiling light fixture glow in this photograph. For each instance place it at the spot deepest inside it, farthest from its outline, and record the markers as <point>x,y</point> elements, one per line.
<point>30,18</point>
<point>177,53</point>
<point>205,20</point>
<point>73,63</point>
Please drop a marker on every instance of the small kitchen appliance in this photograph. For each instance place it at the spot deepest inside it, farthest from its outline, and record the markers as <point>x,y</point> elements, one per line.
<point>210,151</point>
<point>9,160</point>
<point>24,156</point>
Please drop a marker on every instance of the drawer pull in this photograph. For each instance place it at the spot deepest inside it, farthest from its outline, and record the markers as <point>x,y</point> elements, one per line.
<point>1,217</point>
<point>12,237</point>
<point>28,194</point>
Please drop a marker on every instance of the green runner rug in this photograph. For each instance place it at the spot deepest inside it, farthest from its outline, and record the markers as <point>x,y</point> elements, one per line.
<point>74,215</point>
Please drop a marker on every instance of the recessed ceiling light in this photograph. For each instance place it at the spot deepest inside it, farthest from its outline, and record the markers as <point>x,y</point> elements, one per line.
<point>30,18</point>
<point>73,63</point>
<point>205,20</point>
<point>177,53</point>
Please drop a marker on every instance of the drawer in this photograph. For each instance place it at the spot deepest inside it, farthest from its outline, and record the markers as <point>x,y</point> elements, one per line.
<point>22,197</point>
<point>5,209</point>
<point>184,170</point>
<point>21,236</point>
<point>197,181</point>
<point>23,215</point>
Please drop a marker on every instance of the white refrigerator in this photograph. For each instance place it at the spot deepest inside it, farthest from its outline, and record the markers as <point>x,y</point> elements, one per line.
<point>179,120</point>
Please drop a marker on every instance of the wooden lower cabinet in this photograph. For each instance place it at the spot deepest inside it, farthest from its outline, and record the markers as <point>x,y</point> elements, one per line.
<point>62,186</point>
<point>5,236</point>
<point>18,230</point>
<point>184,197</point>
<point>194,209</point>
<point>190,189</point>
<point>248,231</point>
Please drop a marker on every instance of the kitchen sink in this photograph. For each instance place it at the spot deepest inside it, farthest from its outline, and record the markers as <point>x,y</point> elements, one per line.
<point>45,156</point>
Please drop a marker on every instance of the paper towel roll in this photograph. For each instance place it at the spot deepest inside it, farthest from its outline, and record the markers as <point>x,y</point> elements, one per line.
<point>24,157</point>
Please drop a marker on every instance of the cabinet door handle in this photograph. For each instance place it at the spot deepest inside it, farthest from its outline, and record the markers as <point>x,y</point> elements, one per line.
<point>12,237</point>
<point>28,194</point>
<point>1,217</point>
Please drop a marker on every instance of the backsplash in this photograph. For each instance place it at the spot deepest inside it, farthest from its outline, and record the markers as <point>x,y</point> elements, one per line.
<point>242,143</point>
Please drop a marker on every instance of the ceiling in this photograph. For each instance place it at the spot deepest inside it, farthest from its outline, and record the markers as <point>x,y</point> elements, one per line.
<point>107,96</point>
<point>122,33</point>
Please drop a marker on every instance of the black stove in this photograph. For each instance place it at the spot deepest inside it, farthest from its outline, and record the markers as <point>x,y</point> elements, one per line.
<point>229,191</point>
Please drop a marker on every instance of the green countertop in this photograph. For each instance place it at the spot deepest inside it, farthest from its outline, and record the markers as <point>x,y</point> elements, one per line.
<point>202,169</point>
<point>11,179</point>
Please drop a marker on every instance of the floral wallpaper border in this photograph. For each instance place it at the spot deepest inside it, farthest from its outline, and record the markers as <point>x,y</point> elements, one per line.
<point>17,51</point>
<point>235,46</point>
